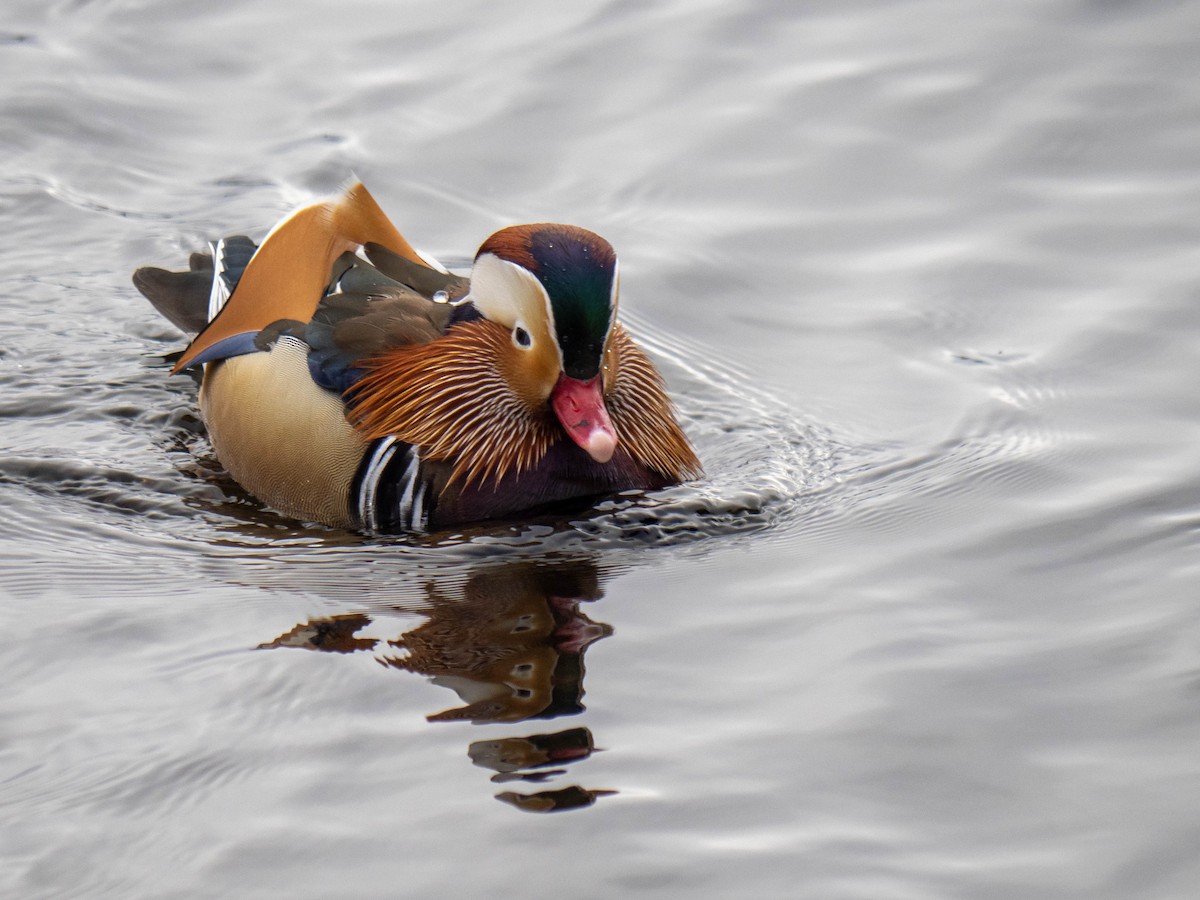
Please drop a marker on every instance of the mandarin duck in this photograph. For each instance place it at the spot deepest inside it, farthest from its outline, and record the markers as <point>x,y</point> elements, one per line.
<point>351,380</point>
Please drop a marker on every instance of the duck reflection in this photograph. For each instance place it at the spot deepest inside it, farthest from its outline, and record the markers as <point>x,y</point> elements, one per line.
<point>510,643</point>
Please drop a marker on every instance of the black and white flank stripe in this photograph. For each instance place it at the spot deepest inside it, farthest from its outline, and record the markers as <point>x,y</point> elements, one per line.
<point>391,492</point>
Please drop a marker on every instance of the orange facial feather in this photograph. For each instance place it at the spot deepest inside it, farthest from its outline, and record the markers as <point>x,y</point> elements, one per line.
<point>451,397</point>
<point>642,412</point>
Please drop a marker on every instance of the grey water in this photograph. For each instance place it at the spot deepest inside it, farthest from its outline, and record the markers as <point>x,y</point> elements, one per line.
<point>924,279</point>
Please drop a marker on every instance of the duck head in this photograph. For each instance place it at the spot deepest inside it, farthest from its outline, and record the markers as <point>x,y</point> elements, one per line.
<point>555,288</point>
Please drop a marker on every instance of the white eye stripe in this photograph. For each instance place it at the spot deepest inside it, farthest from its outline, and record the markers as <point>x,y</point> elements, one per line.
<point>511,295</point>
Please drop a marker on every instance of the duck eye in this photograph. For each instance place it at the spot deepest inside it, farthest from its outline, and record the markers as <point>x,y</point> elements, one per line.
<point>521,337</point>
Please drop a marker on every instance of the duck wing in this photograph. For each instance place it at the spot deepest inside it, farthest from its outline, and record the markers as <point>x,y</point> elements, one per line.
<point>375,291</point>
<point>287,276</point>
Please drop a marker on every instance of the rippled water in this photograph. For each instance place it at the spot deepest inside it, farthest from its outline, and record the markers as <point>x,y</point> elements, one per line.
<point>925,281</point>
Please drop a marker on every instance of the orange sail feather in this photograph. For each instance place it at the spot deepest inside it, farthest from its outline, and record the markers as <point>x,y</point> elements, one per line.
<point>287,275</point>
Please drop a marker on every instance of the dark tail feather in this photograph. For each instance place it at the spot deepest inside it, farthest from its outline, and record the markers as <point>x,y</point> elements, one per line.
<point>183,297</point>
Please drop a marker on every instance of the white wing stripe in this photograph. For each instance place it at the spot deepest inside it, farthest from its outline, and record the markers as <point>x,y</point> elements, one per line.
<point>219,295</point>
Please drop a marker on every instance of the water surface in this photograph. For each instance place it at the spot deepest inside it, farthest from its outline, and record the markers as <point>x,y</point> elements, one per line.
<point>924,281</point>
